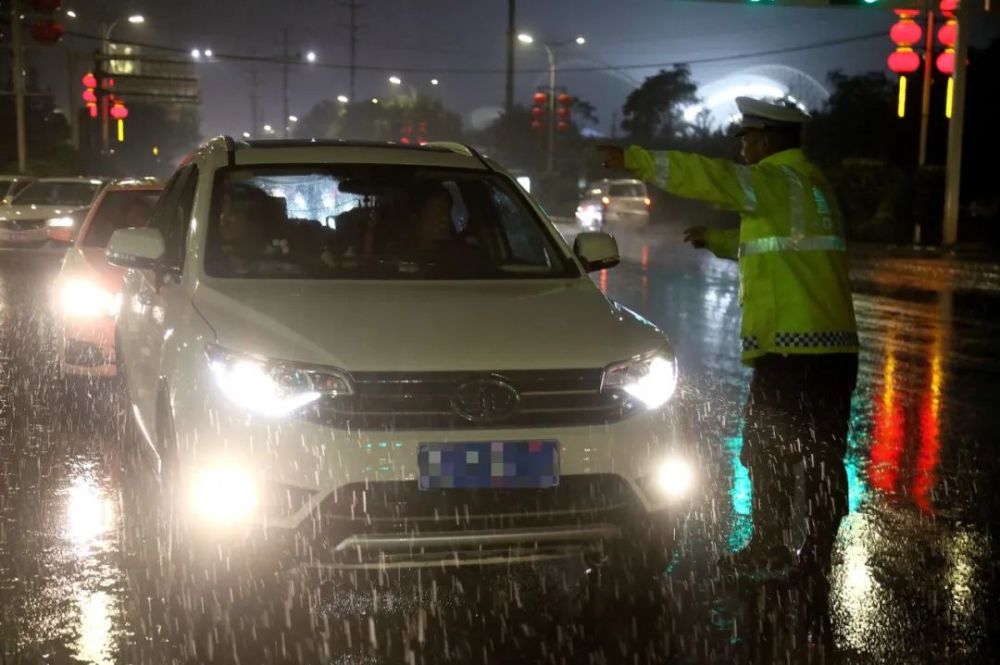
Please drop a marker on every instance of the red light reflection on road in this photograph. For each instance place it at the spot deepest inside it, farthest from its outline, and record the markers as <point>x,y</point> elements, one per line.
<point>603,285</point>
<point>890,427</point>
<point>930,431</point>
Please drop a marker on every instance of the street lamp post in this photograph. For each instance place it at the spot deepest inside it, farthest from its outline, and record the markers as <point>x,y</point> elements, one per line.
<point>550,52</point>
<point>106,30</point>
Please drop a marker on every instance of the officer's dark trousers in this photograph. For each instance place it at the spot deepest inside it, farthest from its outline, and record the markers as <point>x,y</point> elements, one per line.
<point>798,413</point>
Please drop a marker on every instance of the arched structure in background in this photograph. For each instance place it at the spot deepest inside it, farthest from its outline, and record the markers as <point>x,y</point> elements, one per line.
<point>762,81</point>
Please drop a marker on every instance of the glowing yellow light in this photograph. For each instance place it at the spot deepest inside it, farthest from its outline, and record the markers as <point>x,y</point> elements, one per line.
<point>121,130</point>
<point>950,98</point>
<point>901,107</point>
<point>156,151</point>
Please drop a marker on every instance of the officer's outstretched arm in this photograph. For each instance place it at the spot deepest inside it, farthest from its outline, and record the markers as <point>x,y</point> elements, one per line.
<point>719,181</point>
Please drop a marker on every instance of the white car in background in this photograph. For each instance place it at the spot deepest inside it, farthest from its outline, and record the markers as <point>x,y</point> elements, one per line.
<point>386,357</point>
<point>47,203</point>
<point>624,202</point>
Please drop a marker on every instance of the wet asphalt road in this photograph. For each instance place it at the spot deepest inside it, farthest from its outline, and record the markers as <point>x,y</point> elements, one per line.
<point>917,578</point>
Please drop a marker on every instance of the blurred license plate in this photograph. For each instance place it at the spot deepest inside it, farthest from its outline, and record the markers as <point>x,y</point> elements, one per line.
<point>484,464</point>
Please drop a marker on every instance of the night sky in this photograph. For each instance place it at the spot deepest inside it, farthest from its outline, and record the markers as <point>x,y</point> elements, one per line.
<point>437,35</point>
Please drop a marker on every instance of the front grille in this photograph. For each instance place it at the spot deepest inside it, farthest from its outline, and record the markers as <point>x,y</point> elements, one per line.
<point>22,224</point>
<point>400,508</point>
<point>84,354</point>
<point>423,401</point>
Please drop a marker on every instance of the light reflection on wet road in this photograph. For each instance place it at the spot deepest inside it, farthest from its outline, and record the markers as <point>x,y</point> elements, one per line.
<point>917,572</point>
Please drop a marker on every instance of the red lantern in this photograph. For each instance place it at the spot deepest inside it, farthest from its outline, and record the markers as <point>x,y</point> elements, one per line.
<point>564,98</point>
<point>904,61</point>
<point>536,125</point>
<point>948,33</point>
<point>906,32</point>
<point>949,6</point>
<point>946,62</point>
<point>539,98</point>
<point>119,110</point>
<point>89,96</point>
<point>92,107</point>
<point>89,80</point>
<point>46,31</point>
<point>537,111</point>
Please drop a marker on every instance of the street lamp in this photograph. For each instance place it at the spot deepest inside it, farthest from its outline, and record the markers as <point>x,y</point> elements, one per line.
<point>208,53</point>
<point>293,118</point>
<point>395,80</point>
<point>196,53</point>
<point>434,81</point>
<point>106,31</point>
<point>342,99</point>
<point>136,19</point>
<point>311,56</point>
<point>550,52</point>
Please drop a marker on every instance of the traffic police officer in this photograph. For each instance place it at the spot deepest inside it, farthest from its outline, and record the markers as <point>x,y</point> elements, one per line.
<point>798,330</point>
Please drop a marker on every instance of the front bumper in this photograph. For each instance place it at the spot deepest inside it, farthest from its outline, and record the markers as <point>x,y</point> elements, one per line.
<point>350,500</point>
<point>23,237</point>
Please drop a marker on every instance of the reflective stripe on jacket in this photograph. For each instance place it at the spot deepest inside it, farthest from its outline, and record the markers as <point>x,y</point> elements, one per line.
<point>794,285</point>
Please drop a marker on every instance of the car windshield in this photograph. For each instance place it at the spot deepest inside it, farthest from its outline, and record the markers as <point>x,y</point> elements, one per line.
<point>119,209</point>
<point>376,222</point>
<point>57,193</point>
<point>627,191</point>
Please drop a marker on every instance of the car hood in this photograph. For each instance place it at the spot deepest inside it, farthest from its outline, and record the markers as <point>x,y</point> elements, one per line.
<point>425,326</point>
<point>36,211</point>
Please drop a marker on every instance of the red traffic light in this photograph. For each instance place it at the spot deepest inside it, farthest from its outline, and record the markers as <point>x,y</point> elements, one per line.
<point>46,31</point>
<point>89,80</point>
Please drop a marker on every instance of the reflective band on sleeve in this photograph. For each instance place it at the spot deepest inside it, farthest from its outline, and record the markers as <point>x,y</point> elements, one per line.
<point>662,169</point>
<point>786,244</point>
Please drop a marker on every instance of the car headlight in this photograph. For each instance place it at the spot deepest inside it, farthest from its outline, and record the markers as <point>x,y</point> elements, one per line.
<point>224,494</point>
<point>272,388</point>
<point>60,222</point>
<point>82,298</point>
<point>651,379</point>
<point>674,477</point>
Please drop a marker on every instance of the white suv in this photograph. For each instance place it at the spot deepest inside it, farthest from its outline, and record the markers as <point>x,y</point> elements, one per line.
<point>387,357</point>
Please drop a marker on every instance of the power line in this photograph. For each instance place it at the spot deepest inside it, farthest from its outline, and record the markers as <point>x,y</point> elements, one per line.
<point>240,57</point>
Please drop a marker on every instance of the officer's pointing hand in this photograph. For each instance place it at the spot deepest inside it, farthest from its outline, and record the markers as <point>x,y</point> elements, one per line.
<point>696,236</point>
<point>613,156</point>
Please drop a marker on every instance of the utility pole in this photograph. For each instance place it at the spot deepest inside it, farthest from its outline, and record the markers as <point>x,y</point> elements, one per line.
<point>550,161</point>
<point>17,64</point>
<point>953,172</point>
<point>254,101</point>
<point>354,29</point>
<point>284,83</point>
<point>925,103</point>
<point>511,37</point>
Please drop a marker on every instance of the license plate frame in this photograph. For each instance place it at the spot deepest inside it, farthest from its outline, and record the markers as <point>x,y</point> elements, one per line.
<point>514,464</point>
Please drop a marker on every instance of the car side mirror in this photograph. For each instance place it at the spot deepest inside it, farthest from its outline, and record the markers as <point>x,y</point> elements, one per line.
<point>596,251</point>
<point>141,248</point>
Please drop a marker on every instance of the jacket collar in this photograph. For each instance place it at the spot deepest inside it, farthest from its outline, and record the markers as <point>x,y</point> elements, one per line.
<point>793,156</point>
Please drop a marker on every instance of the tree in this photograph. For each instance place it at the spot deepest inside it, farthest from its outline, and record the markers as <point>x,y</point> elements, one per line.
<point>652,113</point>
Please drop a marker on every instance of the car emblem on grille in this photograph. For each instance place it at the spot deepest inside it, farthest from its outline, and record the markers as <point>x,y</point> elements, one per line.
<point>485,400</point>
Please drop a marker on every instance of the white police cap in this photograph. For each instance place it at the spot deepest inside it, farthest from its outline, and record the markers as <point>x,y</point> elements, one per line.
<point>758,114</point>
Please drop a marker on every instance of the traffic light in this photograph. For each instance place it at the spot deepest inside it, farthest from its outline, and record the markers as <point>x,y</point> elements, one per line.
<point>564,103</point>
<point>539,108</point>
<point>44,28</point>
<point>90,93</point>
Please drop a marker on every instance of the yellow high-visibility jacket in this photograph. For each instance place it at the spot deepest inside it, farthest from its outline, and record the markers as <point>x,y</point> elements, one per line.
<point>794,286</point>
